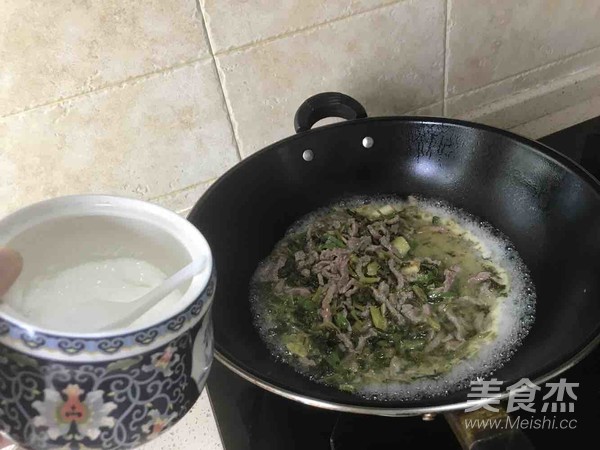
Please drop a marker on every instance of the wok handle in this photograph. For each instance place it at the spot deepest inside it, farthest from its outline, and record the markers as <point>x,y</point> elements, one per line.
<point>486,438</point>
<point>327,104</point>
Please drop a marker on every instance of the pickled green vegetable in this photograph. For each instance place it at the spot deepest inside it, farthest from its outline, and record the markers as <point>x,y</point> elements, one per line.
<point>377,293</point>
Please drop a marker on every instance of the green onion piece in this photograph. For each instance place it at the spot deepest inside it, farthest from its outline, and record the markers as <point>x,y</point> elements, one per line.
<point>341,321</point>
<point>401,245</point>
<point>297,345</point>
<point>367,211</point>
<point>332,242</point>
<point>434,324</point>
<point>419,293</point>
<point>368,280</point>
<point>387,210</point>
<point>377,317</point>
<point>372,268</point>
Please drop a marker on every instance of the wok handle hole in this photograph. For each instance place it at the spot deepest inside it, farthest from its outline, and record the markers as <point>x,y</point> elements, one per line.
<point>327,104</point>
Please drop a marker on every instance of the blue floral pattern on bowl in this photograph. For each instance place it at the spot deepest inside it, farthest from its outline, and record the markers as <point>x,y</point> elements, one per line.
<point>110,393</point>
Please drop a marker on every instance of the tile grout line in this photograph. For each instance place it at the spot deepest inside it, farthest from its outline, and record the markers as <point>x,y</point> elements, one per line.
<point>107,87</point>
<point>523,96</point>
<point>445,75</point>
<point>183,189</point>
<point>529,71</point>
<point>581,118</point>
<point>224,98</point>
<point>298,31</point>
<point>213,55</point>
<point>194,60</point>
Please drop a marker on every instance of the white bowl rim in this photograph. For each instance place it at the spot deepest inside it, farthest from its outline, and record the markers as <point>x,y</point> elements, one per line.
<point>126,207</point>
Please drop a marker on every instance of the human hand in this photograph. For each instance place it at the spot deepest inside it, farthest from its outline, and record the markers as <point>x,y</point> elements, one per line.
<point>11,265</point>
<point>5,444</point>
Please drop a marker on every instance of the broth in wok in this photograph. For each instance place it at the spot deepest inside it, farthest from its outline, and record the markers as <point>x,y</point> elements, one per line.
<point>393,298</point>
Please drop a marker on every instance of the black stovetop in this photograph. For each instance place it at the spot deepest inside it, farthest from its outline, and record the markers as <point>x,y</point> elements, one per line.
<point>250,418</point>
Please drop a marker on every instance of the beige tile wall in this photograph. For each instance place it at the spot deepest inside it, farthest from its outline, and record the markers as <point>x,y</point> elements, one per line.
<point>156,99</point>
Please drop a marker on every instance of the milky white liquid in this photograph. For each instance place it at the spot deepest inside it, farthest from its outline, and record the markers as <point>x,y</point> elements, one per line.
<point>44,301</point>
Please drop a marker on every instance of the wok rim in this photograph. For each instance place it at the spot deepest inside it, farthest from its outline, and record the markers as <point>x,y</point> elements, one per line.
<point>547,151</point>
<point>530,145</point>
<point>396,411</point>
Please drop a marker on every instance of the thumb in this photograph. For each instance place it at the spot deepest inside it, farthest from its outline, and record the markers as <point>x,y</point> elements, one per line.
<point>11,264</point>
<point>5,443</point>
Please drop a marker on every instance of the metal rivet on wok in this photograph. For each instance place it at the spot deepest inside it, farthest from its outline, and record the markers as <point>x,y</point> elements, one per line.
<point>308,155</point>
<point>428,417</point>
<point>368,142</point>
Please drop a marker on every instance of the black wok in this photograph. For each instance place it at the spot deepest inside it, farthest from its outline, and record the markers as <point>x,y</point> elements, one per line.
<point>545,203</point>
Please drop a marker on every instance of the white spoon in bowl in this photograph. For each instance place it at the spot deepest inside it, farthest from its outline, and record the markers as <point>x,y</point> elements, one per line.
<point>110,315</point>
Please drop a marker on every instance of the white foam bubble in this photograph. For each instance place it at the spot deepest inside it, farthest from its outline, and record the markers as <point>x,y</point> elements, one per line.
<point>513,318</point>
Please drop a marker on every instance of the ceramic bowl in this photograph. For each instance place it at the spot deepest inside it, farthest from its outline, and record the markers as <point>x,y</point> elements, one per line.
<point>114,389</point>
